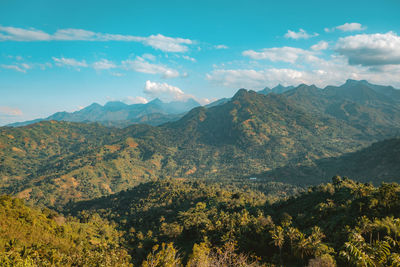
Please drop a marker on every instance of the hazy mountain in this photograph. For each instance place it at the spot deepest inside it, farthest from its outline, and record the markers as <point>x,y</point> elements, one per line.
<point>279,89</point>
<point>119,114</point>
<point>370,108</point>
<point>218,102</point>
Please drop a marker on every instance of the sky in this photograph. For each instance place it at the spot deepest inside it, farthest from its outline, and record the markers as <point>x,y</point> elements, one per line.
<point>65,55</point>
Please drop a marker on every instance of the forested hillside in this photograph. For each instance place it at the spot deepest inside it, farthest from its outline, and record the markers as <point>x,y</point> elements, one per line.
<point>41,237</point>
<point>282,138</point>
<point>343,222</point>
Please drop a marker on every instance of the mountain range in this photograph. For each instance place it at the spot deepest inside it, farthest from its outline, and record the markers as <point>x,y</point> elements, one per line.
<point>275,137</point>
<point>119,114</point>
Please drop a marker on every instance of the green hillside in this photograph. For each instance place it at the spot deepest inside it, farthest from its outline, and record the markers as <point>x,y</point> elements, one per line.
<point>377,163</point>
<point>251,135</point>
<point>34,237</point>
<point>346,222</point>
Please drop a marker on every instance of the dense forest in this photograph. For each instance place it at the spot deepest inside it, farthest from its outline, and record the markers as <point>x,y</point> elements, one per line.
<point>190,223</point>
<point>246,181</point>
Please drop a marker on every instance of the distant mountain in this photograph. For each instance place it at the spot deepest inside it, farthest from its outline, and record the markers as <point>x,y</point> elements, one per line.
<point>119,114</point>
<point>279,89</point>
<point>371,108</point>
<point>218,102</point>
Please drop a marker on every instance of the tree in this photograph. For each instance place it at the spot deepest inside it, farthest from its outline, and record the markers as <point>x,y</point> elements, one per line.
<point>167,256</point>
<point>278,238</point>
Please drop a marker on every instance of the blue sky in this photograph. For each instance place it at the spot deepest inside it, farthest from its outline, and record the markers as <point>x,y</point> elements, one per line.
<point>64,55</point>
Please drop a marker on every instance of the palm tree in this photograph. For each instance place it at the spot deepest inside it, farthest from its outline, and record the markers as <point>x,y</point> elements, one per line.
<point>292,233</point>
<point>278,237</point>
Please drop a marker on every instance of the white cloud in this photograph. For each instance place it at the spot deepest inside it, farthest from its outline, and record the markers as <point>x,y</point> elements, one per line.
<point>205,101</point>
<point>164,90</point>
<point>275,54</point>
<point>370,49</point>
<point>104,64</point>
<point>255,79</point>
<point>349,27</point>
<point>18,34</point>
<point>321,45</point>
<point>70,62</point>
<point>135,100</point>
<point>168,92</point>
<point>117,74</point>
<point>320,72</point>
<point>13,67</point>
<point>189,58</point>
<point>301,34</point>
<point>10,112</point>
<point>141,65</point>
<point>159,41</point>
<point>76,35</point>
<point>221,46</point>
<point>149,56</point>
<point>167,44</point>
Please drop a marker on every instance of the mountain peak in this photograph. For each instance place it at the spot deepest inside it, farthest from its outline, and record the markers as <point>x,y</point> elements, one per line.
<point>355,82</point>
<point>192,101</point>
<point>240,93</point>
<point>92,107</point>
<point>156,101</point>
<point>115,105</point>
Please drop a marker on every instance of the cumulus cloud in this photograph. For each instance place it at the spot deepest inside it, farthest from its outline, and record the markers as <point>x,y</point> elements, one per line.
<point>104,64</point>
<point>370,49</point>
<point>319,72</point>
<point>10,112</point>
<point>71,62</point>
<point>164,90</point>
<point>275,54</point>
<point>141,65</point>
<point>301,34</point>
<point>158,41</point>
<point>255,79</point>
<point>349,27</point>
<point>321,45</point>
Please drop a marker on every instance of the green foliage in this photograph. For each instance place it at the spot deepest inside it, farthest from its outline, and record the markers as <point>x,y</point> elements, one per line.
<point>166,256</point>
<point>31,237</point>
<point>336,222</point>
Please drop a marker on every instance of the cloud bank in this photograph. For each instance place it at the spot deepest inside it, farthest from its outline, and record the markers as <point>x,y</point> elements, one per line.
<point>158,41</point>
<point>370,49</point>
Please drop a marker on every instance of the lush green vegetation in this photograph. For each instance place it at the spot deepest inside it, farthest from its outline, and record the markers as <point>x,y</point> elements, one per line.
<point>33,237</point>
<point>380,161</point>
<point>343,222</point>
